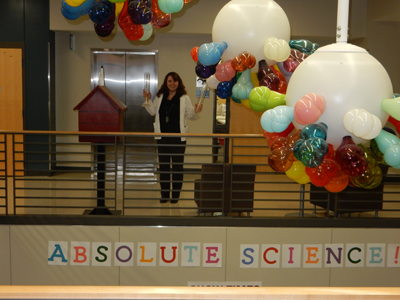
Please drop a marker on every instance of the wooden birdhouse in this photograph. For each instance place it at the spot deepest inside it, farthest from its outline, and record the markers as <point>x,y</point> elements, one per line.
<point>100,111</point>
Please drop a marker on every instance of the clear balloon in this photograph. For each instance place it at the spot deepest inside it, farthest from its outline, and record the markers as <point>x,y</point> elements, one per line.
<point>159,19</point>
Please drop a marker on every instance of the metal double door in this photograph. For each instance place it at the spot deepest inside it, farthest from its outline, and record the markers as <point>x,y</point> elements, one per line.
<point>124,75</point>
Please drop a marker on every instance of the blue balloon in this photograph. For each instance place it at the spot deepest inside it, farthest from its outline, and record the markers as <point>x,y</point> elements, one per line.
<point>314,130</point>
<point>210,54</point>
<point>79,10</point>
<point>68,15</point>
<point>101,11</point>
<point>224,89</point>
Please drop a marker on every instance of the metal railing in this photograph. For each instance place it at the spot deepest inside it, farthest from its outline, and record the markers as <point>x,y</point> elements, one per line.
<point>53,173</point>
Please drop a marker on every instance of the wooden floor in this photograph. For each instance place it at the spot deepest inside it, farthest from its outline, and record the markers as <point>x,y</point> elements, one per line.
<point>111,292</point>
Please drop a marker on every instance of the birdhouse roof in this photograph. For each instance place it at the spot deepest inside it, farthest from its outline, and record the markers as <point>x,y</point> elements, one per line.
<point>107,95</point>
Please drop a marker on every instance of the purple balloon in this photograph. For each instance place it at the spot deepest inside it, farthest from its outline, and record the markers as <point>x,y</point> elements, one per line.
<point>205,71</point>
<point>140,12</point>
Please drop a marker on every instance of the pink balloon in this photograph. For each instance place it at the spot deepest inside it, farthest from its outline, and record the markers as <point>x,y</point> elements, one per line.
<point>309,108</point>
<point>225,71</point>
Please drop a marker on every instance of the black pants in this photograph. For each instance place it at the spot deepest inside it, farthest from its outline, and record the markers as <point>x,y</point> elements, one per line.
<point>170,157</point>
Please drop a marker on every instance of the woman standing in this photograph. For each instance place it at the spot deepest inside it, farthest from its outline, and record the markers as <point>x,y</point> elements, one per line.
<point>172,107</point>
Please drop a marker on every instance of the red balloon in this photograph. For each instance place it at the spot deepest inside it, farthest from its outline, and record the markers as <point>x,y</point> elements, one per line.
<point>132,31</point>
<point>322,175</point>
<point>282,81</point>
<point>194,53</point>
<point>351,158</point>
<point>294,60</point>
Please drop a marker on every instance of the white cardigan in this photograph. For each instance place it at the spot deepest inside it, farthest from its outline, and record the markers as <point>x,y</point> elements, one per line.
<point>186,112</point>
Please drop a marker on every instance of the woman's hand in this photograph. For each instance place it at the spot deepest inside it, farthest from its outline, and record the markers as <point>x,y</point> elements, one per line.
<point>198,108</point>
<point>146,96</point>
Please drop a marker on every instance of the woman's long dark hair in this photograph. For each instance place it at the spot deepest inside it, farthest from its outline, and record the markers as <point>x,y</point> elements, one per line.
<point>181,90</point>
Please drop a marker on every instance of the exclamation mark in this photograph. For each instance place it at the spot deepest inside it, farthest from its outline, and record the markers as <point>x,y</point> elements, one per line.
<point>396,257</point>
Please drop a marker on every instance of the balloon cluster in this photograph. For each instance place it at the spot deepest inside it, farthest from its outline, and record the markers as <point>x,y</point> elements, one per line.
<point>234,78</point>
<point>136,18</point>
<point>304,155</point>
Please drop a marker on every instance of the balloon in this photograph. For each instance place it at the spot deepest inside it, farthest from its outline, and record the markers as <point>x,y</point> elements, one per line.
<point>276,49</point>
<point>147,32</point>
<point>311,151</point>
<point>262,98</point>
<point>170,6</point>
<point>395,123</point>
<point>338,183</point>
<point>243,62</point>
<point>243,87</point>
<point>140,11</point>
<point>212,82</point>
<point>246,25</point>
<point>267,77</point>
<point>194,53</point>
<point>298,173</point>
<point>74,2</point>
<point>348,77</point>
<point>106,28</point>
<point>322,174</point>
<point>74,12</point>
<point>350,158</point>
<point>160,19</point>
<point>224,71</point>
<point>210,54</point>
<point>277,119</point>
<point>392,107</point>
<point>69,16</point>
<point>117,1</point>
<point>373,175</point>
<point>388,144</point>
<point>294,60</point>
<point>224,89</point>
<point>282,87</point>
<point>362,124</point>
<point>132,31</point>
<point>309,108</point>
<point>278,159</point>
<point>284,133</point>
<point>304,46</point>
<point>204,71</point>
<point>314,130</point>
<point>101,11</point>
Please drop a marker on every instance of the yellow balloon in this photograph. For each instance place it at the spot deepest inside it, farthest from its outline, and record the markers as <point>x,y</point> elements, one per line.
<point>246,103</point>
<point>254,79</point>
<point>74,2</point>
<point>297,172</point>
<point>276,67</point>
<point>118,8</point>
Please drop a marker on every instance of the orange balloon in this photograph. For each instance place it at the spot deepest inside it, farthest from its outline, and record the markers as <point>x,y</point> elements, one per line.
<point>160,19</point>
<point>338,183</point>
<point>278,160</point>
<point>243,62</point>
